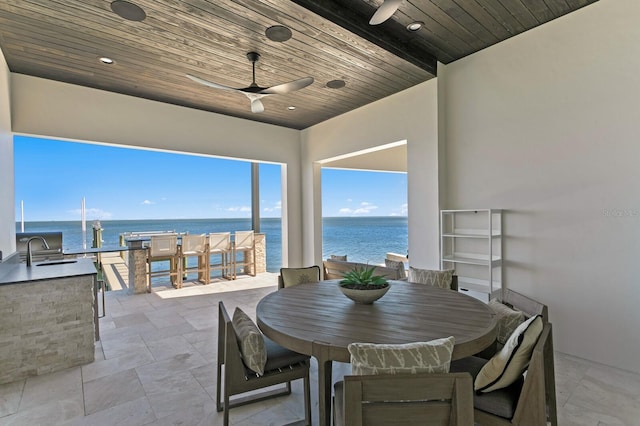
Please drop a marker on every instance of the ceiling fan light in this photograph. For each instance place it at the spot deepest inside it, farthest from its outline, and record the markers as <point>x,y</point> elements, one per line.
<point>278,33</point>
<point>415,26</point>
<point>106,61</point>
<point>291,108</point>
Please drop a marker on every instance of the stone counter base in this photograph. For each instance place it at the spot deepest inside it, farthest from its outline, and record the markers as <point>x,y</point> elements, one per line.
<point>46,326</point>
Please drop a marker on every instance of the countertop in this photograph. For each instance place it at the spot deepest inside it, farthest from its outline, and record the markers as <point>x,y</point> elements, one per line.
<point>106,249</point>
<point>15,273</point>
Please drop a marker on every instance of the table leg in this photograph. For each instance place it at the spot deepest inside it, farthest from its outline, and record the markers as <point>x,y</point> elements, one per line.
<point>320,351</point>
<point>324,391</point>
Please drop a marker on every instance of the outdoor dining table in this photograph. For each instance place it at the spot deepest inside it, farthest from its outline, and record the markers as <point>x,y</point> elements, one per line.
<point>318,320</point>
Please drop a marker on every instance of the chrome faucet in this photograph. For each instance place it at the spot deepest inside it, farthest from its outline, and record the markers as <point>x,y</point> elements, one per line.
<point>29,254</point>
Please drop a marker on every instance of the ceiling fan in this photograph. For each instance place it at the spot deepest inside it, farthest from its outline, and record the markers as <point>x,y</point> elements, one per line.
<point>384,12</point>
<point>255,92</point>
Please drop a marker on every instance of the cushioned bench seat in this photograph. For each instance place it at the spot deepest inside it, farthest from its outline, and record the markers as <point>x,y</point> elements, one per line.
<point>279,358</point>
<point>501,402</point>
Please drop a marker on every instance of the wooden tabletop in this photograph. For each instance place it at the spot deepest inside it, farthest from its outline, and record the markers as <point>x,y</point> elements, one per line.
<point>308,315</point>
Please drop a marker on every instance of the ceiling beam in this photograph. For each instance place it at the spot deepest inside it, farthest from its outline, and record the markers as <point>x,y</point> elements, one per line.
<point>354,16</point>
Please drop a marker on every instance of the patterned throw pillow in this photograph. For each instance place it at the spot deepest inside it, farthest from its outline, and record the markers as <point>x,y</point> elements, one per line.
<point>340,258</point>
<point>295,276</point>
<point>507,365</point>
<point>251,341</point>
<point>418,357</point>
<point>441,279</point>
<point>396,264</point>
<point>508,320</point>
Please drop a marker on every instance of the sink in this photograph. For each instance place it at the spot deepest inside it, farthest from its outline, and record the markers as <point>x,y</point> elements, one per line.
<point>57,262</point>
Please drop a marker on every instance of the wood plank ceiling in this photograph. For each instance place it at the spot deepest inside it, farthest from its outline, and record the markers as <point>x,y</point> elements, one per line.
<point>331,40</point>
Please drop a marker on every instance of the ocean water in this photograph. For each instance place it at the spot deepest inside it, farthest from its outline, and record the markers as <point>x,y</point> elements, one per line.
<point>363,239</point>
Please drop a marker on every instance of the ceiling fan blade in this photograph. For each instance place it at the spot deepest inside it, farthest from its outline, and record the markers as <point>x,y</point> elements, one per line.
<point>385,11</point>
<point>288,87</point>
<point>210,83</point>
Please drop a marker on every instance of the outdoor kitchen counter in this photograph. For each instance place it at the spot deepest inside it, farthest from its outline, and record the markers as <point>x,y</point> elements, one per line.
<point>48,318</point>
<point>15,273</point>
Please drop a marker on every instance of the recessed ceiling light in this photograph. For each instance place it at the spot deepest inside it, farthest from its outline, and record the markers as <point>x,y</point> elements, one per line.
<point>415,26</point>
<point>278,33</point>
<point>291,108</point>
<point>336,84</point>
<point>128,11</point>
<point>105,60</point>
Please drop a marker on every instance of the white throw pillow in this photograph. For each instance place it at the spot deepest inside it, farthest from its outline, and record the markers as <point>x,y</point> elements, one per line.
<point>441,279</point>
<point>508,320</point>
<point>506,366</point>
<point>417,357</point>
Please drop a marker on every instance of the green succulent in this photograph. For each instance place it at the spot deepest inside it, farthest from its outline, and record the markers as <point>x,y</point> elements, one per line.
<point>364,277</point>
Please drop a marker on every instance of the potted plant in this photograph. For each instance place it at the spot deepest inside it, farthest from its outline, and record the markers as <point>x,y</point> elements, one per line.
<point>361,286</point>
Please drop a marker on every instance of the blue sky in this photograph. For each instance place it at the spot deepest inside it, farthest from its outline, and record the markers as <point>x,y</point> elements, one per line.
<point>52,177</point>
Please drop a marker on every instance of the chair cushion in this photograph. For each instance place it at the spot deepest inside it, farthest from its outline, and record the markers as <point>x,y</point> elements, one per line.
<point>417,357</point>
<point>396,264</point>
<point>295,276</point>
<point>280,357</point>
<point>510,362</point>
<point>251,341</point>
<point>336,257</point>
<point>501,402</point>
<point>441,279</point>
<point>508,319</point>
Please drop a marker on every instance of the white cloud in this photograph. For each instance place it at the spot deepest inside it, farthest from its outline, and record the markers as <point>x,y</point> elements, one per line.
<point>147,202</point>
<point>276,207</point>
<point>365,208</point>
<point>403,210</point>
<point>241,209</point>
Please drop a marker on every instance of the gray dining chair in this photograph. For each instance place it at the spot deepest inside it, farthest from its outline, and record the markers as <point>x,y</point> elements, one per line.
<point>438,399</point>
<point>281,367</point>
<point>529,401</point>
<point>293,276</point>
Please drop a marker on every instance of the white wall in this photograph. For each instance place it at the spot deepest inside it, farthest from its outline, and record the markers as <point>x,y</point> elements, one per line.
<point>57,110</point>
<point>546,126</point>
<point>410,115</point>
<point>7,184</point>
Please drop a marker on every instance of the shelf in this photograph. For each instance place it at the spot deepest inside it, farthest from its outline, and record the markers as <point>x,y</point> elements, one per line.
<point>472,233</point>
<point>496,211</point>
<point>471,259</point>
<point>476,284</point>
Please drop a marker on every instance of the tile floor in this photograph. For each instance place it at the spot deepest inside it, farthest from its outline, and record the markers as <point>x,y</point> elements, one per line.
<point>155,365</point>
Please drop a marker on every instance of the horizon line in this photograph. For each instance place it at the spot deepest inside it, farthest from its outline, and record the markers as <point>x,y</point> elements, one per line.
<point>211,218</point>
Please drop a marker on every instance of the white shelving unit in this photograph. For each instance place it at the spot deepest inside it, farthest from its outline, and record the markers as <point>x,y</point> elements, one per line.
<point>471,243</point>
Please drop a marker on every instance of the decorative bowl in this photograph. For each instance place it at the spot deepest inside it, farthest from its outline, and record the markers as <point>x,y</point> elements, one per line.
<point>364,296</point>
